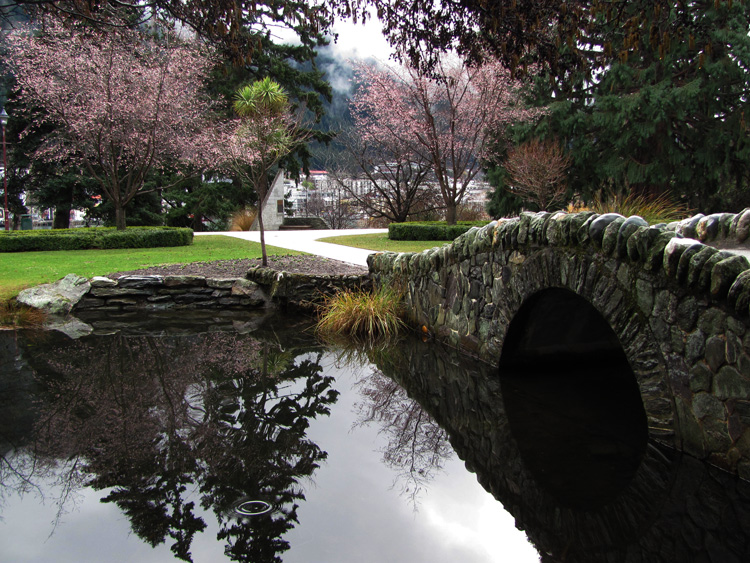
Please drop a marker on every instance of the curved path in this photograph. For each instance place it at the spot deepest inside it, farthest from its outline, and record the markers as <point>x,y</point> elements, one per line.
<point>307,241</point>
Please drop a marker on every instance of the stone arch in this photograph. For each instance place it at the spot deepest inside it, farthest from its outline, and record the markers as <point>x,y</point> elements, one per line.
<point>595,280</point>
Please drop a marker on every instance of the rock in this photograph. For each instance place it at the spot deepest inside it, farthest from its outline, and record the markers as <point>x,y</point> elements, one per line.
<point>70,326</point>
<point>244,287</point>
<point>631,225</point>
<point>738,295</point>
<point>221,283</point>
<point>139,282</point>
<point>101,281</point>
<point>743,225</point>
<point>729,384</point>
<point>559,228</point>
<point>688,227</point>
<point>715,353</point>
<point>697,262</point>
<point>725,273</point>
<point>598,225</point>
<point>56,298</point>
<point>674,250</point>
<point>250,292</point>
<point>709,227</point>
<point>705,405</point>
<point>609,238</point>
<point>180,281</point>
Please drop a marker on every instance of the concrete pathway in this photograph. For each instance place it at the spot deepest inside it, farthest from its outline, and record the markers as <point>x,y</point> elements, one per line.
<point>741,251</point>
<point>306,241</point>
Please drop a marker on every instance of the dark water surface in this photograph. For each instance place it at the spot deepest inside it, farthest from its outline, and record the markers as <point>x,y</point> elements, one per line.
<point>153,438</point>
<point>155,430</point>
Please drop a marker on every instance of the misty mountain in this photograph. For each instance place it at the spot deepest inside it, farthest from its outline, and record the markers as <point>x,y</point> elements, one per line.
<point>339,72</point>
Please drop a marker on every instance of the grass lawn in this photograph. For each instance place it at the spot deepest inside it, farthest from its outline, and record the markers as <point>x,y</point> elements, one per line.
<point>380,241</point>
<point>19,270</point>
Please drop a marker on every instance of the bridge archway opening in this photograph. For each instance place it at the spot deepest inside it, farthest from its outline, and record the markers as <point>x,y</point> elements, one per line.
<point>572,400</point>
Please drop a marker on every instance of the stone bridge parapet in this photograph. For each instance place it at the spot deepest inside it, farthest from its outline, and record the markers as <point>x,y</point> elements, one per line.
<point>678,307</point>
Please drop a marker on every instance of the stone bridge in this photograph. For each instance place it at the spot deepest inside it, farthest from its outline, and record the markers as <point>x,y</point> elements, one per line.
<point>604,293</point>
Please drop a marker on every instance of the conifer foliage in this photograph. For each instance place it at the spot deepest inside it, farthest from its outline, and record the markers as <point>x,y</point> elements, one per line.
<point>657,101</point>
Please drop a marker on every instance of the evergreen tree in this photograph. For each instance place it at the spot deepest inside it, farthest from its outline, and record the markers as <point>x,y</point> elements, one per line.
<point>660,107</point>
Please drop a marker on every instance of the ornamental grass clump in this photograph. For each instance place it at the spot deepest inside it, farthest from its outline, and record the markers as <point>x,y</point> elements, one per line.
<point>362,315</point>
<point>243,219</point>
<point>16,315</point>
<point>659,209</point>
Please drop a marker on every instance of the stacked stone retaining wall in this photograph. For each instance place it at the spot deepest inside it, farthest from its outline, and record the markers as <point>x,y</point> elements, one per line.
<point>262,287</point>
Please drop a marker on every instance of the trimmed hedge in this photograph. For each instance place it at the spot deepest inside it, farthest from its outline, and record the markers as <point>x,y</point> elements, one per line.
<point>97,237</point>
<point>430,230</point>
<point>313,222</point>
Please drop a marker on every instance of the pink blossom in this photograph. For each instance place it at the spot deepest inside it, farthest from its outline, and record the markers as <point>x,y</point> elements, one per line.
<point>448,119</point>
<point>123,103</point>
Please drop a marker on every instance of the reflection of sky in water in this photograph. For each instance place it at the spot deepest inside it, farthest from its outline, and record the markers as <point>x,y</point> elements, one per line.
<point>353,512</point>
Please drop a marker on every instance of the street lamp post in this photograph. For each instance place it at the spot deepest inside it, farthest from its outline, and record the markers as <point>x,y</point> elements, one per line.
<point>6,217</point>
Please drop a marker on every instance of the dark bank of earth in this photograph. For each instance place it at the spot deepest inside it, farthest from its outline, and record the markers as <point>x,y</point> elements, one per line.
<point>315,265</point>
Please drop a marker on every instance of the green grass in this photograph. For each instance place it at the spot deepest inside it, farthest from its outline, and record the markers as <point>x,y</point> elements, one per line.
<point>380,241</point>
<point>19,270</point>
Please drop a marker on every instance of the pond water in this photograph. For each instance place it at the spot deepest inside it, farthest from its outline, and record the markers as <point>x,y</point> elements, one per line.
<point>141,442</point>
<point>242,438</point>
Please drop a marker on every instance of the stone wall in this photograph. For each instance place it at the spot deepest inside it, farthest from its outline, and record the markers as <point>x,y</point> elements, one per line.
<point>262,287</point>
<point>678,307</point>
<point>167,292</point>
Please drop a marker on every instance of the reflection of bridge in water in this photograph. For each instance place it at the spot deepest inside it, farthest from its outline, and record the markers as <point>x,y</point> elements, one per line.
<point>596,292</point>
<point>568,462</point>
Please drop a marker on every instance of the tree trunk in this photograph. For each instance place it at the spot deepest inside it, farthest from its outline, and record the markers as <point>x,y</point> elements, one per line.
<point>120,217</point>
<point>262,193</point>
<point>264,261</point>
<point>62,217</point>
<point>450,212</point>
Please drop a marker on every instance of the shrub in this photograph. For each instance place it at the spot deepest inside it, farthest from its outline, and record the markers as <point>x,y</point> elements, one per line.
<point>430,230</point>
<point>98,237</point>
<point>536,171</point>
<point>361,315</point>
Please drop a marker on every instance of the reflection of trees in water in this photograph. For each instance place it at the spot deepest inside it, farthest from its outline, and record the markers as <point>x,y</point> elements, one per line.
<point>164,422</point>
<point>417,446</point>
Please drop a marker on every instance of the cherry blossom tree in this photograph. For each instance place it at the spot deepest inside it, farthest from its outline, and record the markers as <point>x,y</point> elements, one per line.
<point>448,117</point>
<point>396,176</point>
<point>124,104</point>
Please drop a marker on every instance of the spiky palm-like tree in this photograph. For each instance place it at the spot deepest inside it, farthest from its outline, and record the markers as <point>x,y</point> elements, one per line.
<point>269,130</point>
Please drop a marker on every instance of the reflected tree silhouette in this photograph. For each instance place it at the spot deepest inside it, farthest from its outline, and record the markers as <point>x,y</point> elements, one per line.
<point>417,446</point>
<point>164,423</point>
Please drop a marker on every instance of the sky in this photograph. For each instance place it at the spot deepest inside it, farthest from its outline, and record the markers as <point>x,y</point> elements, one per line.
<point>355,41</point>
<point>358,41</point>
